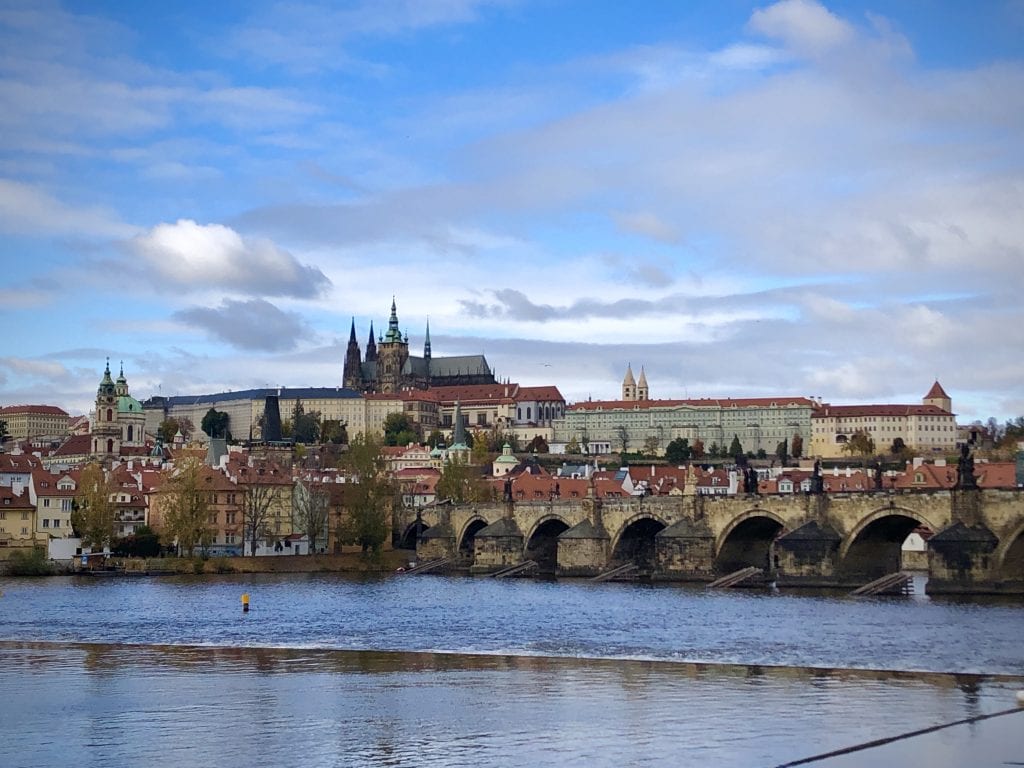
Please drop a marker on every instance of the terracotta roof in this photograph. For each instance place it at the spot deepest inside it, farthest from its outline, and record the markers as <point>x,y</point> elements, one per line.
<point>23,462</point>
<point>936,392</point>
<point>76,445</point>
<point>47,410</point>
<point>747,402</point>
<point>1001,474</point>
<point>848,411</point>
<point>11,500</point>
<point>540,393</point>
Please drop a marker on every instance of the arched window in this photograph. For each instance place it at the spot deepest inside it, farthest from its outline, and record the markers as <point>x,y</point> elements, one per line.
<point>528,412</point>
<point>130,433</point>
<point>110,414</point>
<point>519,414</point>
<point>110,445</point>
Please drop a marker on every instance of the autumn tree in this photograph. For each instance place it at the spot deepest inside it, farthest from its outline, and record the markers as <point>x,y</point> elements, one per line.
<point>460,482</point>
<point>168,429</point>
<point>651,445</point>
<point>573,446</point>
<point>796,446</point>
<point>538,445</point>
<point>860,444</point>
<point>697,451</point>
<point>92,515</point>
<point>368,496</point>
<point>623,434</point>
<point>186,505</point>
<point>481,453</point>
<point>310,506</point>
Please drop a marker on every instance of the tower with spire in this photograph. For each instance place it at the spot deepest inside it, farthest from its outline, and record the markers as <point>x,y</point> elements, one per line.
<point>392,355</point>
<point>106,435</point>
<point>629,385</point>
<point>352,377</point>
<point>642,392</point>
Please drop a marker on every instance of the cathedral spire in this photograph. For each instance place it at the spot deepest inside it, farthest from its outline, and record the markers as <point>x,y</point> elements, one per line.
<point>393,334</point>
<point>371,346</point>
<point>426,344</point>
<point>352,333</point>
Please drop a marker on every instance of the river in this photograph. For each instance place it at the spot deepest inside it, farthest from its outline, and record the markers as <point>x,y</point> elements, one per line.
<point>331,670</point>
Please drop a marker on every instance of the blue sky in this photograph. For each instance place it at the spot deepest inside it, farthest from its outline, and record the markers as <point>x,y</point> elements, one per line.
<point>745,198</point>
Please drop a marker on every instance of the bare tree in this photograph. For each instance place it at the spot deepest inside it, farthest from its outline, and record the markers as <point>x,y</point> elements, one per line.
<point>258,503</point>
<point>310,512</point>
<point>623,434</point>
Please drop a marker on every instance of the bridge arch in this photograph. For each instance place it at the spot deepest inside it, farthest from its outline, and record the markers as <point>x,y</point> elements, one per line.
<point>408,539</point>
<point>635,540</point>
<point>1010,554</point>
<point>874,545</point>
<point>747,540</point>
<point>541,544</point>
<point>467,537</point>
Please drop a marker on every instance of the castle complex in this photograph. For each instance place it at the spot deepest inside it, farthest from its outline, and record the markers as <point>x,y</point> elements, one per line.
<point>388,367</point>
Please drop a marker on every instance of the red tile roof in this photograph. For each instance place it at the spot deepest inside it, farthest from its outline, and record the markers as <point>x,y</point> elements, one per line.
<point>848,411</point>
<point>747,402</point>
<point>43,410</point>
<point>936,392</point>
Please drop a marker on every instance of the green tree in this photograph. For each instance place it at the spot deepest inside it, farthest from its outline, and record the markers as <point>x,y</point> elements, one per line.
<point>334,431</point>
<point>573,446</point>
<point>860,444</point>
<point>678,451</point>
<point>3,430</point>
<point>367,497</point>
<point>168,429</point>
<point>460,482</point>
<point>736,448</point>
<point>481,453</point>
<point>143,543</point>
<point>92,515</point>
<point>215,424</point>
<point>898,447</point>
<point>310,506</point>
<point>399,429</point>
<point>796,446</point>
<point>782,451</point>
<point>32,562</point>
<point>306,428</point>
<point>713,451</point>
<point>186,505</point>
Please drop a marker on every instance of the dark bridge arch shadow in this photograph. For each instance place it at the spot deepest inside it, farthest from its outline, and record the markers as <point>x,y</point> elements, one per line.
<point>1011,567</point>
<point>749,543</point>
<point>543,545</point>
<point>408,539</point>
<point>877,549</point>
<point>469,539</point>
<point>637,544</point>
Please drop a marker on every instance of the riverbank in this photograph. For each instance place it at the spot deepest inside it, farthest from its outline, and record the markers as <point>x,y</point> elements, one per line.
<point>348,562</point>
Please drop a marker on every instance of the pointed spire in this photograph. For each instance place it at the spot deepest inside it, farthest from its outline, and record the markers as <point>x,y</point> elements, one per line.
<point>426,343</point>
<point>629,380</point>
<point>393,334</point>
<point>352,333</point>
<point>371,346</point>
<point>642,381</point>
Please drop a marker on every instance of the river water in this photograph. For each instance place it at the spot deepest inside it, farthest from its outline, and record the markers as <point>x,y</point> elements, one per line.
<point>329,670</point>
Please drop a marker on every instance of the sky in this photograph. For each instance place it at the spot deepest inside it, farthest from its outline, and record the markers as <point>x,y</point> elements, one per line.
<point>744,198</point>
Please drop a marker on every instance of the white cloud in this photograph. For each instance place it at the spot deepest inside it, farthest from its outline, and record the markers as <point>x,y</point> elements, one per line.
<point>804,26</point>
<point>197,256</point>
<point>255,325</point>
<point>28,209</point>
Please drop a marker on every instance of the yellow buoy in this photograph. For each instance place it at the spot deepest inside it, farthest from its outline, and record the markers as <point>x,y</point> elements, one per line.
<point>245,602</point>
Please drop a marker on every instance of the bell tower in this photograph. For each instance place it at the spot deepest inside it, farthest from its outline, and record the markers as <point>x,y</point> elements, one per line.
<point>392,355</point>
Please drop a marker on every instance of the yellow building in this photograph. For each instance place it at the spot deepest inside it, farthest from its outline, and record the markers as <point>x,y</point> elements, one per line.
<point>25,421</point>
<point>929,428</point>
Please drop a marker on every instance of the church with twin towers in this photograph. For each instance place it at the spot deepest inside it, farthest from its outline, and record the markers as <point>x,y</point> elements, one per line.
<point>387,367</point>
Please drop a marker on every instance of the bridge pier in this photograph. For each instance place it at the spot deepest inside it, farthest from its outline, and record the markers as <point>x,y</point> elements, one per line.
<point>583,550</point>
<point>497,546</point>
<point>685,552</point>
<point>807,556</point>
<point>960,559</point>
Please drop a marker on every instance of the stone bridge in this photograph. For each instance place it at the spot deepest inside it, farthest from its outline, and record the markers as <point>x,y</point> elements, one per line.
<point>812,540</point>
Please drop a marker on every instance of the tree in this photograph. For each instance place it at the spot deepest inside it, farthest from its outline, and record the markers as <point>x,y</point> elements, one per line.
<point>143,543</point>
<point>309,507</point>
<point>573,446</point>
<point>460,482</point>
<point>713,451</point>
<point>215,424</point>
<point>898,447</point>
<point>481,453</point>
<point>538,445</point>
<point>306,428</point>
<point>736,448</point>
<point>678,451</point>
<point>186,505</point>
<point>186,426</point>
<point>168,429</point>
<point>399,429</point>
<point>651,445</point>
<point>334,431</point>
<point>860,444</point>
<point>697,452</point>
<point>435,437</point>
<point>367,496</point>
<point>3,430</point>
<point>259,501</point>
<point>796,446</point>
<point>623,435</point>
<point>782,451</point>
<point>92,515</point>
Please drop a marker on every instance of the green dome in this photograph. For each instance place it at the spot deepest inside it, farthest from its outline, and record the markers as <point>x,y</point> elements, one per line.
<point>128,404</point>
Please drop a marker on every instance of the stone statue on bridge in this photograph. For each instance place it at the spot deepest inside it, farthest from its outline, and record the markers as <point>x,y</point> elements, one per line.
<point>965,479</point>
<point>817,483</point>
<point>750,480</point>
<point>508,490</point>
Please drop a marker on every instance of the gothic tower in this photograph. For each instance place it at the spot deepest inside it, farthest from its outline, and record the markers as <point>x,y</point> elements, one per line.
<point>352,377</point>
<point>371,347</point>
<point>392,355</point>
<point>426,350</point>
<point>629,385</point>
<point>106,433</point>
<point>642,392</point>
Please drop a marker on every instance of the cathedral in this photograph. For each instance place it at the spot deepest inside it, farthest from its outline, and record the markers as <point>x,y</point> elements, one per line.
<point>388,367</point>
<point>119,421</point>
